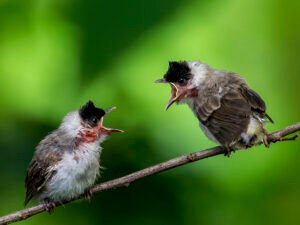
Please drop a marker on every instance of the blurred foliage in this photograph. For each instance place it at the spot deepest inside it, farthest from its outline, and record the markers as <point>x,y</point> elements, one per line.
<point>55,55</point>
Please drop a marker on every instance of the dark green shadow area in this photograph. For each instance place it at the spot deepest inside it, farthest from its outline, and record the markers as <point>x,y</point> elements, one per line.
<point>107,28</point>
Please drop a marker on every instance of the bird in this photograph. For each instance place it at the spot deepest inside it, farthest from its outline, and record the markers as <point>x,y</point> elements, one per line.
<point>229,112</point>
<point>66,162</point>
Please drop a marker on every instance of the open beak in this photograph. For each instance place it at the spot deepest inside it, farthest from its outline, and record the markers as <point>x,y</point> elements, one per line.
<point>176,94</point>
<point>107,130</point>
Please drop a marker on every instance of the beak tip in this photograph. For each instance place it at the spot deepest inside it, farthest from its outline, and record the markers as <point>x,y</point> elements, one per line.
<point>170,103</point>
<point>108,110</point>
<point>117,130</point>
<point>162,80</point>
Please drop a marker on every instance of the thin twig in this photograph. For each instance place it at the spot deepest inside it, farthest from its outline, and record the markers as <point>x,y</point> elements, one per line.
<point>158,168</point>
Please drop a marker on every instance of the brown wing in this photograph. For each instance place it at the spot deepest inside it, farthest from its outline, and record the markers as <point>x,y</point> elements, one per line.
<point>41,168</point>
<point>227,122</point>
<point>37,175</point>
<point>255,101</point>
<point>228,116</point>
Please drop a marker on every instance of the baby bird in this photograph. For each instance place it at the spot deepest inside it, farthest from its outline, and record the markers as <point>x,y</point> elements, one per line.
<point>66,162</point>
<point>230,113</point>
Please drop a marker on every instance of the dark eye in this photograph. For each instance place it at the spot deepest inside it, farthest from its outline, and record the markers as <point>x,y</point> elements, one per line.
<point>94,120</point>
<point>181,81</point>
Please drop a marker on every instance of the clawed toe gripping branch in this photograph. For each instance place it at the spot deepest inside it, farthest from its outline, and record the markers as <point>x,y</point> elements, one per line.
<point>278,136</point>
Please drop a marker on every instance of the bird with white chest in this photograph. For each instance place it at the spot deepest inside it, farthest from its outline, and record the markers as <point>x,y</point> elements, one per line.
<point>66,163</point>
<point>229,112</point>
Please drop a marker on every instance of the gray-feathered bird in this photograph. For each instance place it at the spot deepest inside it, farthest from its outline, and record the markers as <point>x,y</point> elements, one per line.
<point>66,162</point>
<point>230,113</point>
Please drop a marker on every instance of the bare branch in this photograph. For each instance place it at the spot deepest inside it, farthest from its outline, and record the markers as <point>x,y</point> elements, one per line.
<point>124,181</point>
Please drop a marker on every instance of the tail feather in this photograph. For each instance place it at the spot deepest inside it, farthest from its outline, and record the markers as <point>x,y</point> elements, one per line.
<point>27,199</point>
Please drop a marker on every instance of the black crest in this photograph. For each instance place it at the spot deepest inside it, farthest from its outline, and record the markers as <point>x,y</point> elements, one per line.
<point>91,114</point>
<point>177,71</point>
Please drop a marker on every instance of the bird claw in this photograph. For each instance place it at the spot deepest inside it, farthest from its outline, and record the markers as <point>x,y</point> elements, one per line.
<point>49,205</point>
<point>227,151</point>
<point>87,195</point>
<point>266,141</point>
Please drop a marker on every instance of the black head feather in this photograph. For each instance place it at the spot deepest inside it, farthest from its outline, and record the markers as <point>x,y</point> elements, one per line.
<point>178,71</point>
<point>91,114</point>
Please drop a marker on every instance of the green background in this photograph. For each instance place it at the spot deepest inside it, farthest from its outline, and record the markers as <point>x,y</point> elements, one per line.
<point>55,55</point>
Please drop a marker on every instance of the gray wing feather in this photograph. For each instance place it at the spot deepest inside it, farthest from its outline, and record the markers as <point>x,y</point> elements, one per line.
<point>227,116</point>
<point>38,174</point>
<point>41,168</point>
<point>227,122</point>
<point>255,101</point>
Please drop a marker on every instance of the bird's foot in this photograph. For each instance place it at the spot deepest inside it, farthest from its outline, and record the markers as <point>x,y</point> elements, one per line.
<point>49,205</point>
<point>87,195</point>
<point>266,141</point>
<point>227,151</point>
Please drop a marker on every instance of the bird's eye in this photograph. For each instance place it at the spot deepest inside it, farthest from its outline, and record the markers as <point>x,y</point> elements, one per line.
<point>94,120</point>
<point>181,81</point>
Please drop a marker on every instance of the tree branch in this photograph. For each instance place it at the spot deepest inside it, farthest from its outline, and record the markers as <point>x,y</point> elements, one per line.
<point>124,181</point>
